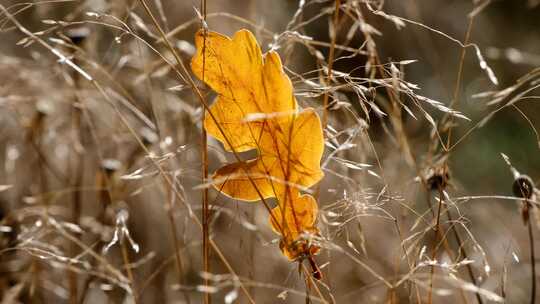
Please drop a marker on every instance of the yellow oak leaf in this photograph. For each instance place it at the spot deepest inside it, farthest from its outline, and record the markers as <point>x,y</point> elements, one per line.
<point>256,110</point>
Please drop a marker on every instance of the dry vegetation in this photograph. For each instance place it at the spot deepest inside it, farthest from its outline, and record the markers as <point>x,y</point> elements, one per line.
<point>430,164</point>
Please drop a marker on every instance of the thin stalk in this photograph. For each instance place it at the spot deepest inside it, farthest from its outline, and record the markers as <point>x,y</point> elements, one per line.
<point>34,137</point>
<point>463,252</point>
<point>44,185</point>
<point>204,157</point>
<point>434,253</point>
<point>308,290</point>
<point>455,98</point>
<point>129,271</point>
<point>172,226</point>
<point>252,253</point>
<point>402,245</point>
<point>533,257</point>
<point>77,166</point>
<point>310,282</point>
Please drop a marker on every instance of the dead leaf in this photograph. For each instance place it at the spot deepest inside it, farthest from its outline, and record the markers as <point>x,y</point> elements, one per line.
<point>256,110</point>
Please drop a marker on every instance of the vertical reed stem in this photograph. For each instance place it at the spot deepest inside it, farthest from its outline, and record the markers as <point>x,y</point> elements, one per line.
<point>77,169</point>
<point>533,256</point>
<point>204,157</point>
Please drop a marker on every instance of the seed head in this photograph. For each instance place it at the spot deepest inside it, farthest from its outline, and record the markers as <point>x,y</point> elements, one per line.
<point>523,186</point>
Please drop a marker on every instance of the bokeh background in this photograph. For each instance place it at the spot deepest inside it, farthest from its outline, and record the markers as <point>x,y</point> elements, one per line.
<point>80,198</point>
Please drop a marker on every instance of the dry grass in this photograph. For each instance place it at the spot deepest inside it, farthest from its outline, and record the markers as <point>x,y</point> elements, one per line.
<point>104,195</point>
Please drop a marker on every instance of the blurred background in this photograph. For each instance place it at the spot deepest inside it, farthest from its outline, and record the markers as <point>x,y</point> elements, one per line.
<point>91,101</point>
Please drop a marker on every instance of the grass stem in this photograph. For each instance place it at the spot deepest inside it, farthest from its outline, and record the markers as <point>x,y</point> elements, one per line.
<point>532,255</point>
<point>204,157</point>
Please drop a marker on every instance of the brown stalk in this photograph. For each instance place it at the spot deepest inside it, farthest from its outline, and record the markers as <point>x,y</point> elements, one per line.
<point>35,136</point>
<point>204,156</point>
<point>77,170</point>
<point>533,260</point>
<point>455,99</point>
<point>434,253</point>
<point>523,187</point>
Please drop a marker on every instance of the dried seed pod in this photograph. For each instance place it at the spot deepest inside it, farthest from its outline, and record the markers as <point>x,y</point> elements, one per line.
<point>77,35</point>
<point>523,186</point>
<point>438,179</point>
